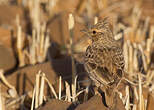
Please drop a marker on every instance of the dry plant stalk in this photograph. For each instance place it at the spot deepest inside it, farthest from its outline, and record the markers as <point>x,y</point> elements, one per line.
<point>32,51</point>
<point>130,60</point>
<point>149,77</point>
<point>41,89</point>
<point>2,104</point>
<point>38,92</point>
<point>126,56</point>
<point>12,88</point>
<point>95,20</point>
<point>33,98</point>
<point>135,61</point>
<point>51,5</point>
<point>143,57</point>
<point>145,27</point>
<point>74,98</point>
<point>136,94</point>
<point>105,3</point>
<point>18,99</point>
<point>141,99</point>
<point>60,81</point>
<point>135,17</point>
<point>37,83</point>
<point>70,27</point>
<point>89,8</point>
<point>127,106</point>
<point>51,87</point>
<point>38,46</point>
<point>68,92</point>
<point>20,43</point>
<point>134,107</point>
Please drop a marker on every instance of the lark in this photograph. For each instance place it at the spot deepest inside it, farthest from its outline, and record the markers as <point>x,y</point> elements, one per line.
<point>104,60</point>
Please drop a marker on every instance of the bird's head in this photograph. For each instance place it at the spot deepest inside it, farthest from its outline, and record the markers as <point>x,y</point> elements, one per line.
<point>100,30</point>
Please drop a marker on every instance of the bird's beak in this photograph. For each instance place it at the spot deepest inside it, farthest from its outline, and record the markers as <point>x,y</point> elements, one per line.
<point>85,31</point>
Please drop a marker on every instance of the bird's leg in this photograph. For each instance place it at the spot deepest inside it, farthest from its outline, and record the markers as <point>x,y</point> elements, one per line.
<point>109,97</point>
<point>117,84</point>
<point>96,92</point>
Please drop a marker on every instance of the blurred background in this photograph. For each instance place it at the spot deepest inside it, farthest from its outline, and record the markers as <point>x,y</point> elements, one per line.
<point>42,48</point>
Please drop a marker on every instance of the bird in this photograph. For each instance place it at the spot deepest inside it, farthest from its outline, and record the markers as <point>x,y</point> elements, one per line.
<point>103,59</point>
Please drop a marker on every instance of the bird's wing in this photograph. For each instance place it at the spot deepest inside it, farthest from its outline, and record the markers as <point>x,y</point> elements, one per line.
<point>117,60</point>
<point>96,64</point>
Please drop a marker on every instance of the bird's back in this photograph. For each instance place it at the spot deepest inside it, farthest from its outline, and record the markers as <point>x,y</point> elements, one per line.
<point>104,63</point>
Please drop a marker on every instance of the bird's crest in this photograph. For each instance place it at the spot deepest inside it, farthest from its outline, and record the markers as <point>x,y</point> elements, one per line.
<point>103,24</point>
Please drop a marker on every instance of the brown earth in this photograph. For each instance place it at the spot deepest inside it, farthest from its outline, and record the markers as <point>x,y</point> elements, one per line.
<point>55,105</point>
<point>7,59</point>
<point>10,12</point>
<point>94,103</point>
<point>24,79</point>
<point>5,37</point>
<point>59,29</point>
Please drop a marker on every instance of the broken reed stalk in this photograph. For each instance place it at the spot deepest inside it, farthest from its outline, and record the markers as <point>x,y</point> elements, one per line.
<point>37,83</point>
<point>46,45</point>
<point>100,4</point>
<point>38,92</point>
<point>148,49</point>
<point>135,61</point>
<point>42,38</point>
<point>74,98</point>
<point>51,87</point>
<point>32,53</point>
<point>33,98</point>
<point>136,94</point>
<point>60,80</point>
<point>38,49</point>
<point>68,92</point>
<point>79,93</point>
<point>2,105</point>
<point>149,77</point>
<point>18,99</point>
<point>145,28</point>
<point>70,27</point>
<point>134,107</point>
<point>126,55</point>
<point>89,8</point>
<point>105,3</point>
<point>20,45</point>
<point>41,44</point>
<point>141,100</point>
<point>12,88</point>
<point>127,106</point>
<point>35,13</point>
<point>143,57</point>
<point>95,20</point>
<point>41,90</point>
<point>136,17</point>
<point>130,49</point>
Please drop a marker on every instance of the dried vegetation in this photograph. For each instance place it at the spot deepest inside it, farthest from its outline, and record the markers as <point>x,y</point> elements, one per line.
<point>130,27</point>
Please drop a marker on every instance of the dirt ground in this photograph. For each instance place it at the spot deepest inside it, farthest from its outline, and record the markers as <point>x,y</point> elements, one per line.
<point>35,41</point>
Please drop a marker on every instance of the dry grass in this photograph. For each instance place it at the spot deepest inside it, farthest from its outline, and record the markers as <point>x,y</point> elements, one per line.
<point>137,49</point>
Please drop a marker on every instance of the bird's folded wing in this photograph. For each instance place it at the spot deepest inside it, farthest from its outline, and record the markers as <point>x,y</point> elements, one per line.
<point>97,63</point>
<point>118,59</point>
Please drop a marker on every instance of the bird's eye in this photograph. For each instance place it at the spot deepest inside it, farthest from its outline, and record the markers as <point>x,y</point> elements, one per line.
<point>94,32</point>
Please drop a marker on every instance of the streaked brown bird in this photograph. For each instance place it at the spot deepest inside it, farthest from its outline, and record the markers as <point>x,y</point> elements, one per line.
<point>104,60</point>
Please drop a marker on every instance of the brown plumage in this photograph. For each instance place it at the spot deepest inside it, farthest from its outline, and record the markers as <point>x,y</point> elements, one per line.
<point>104,60</point>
